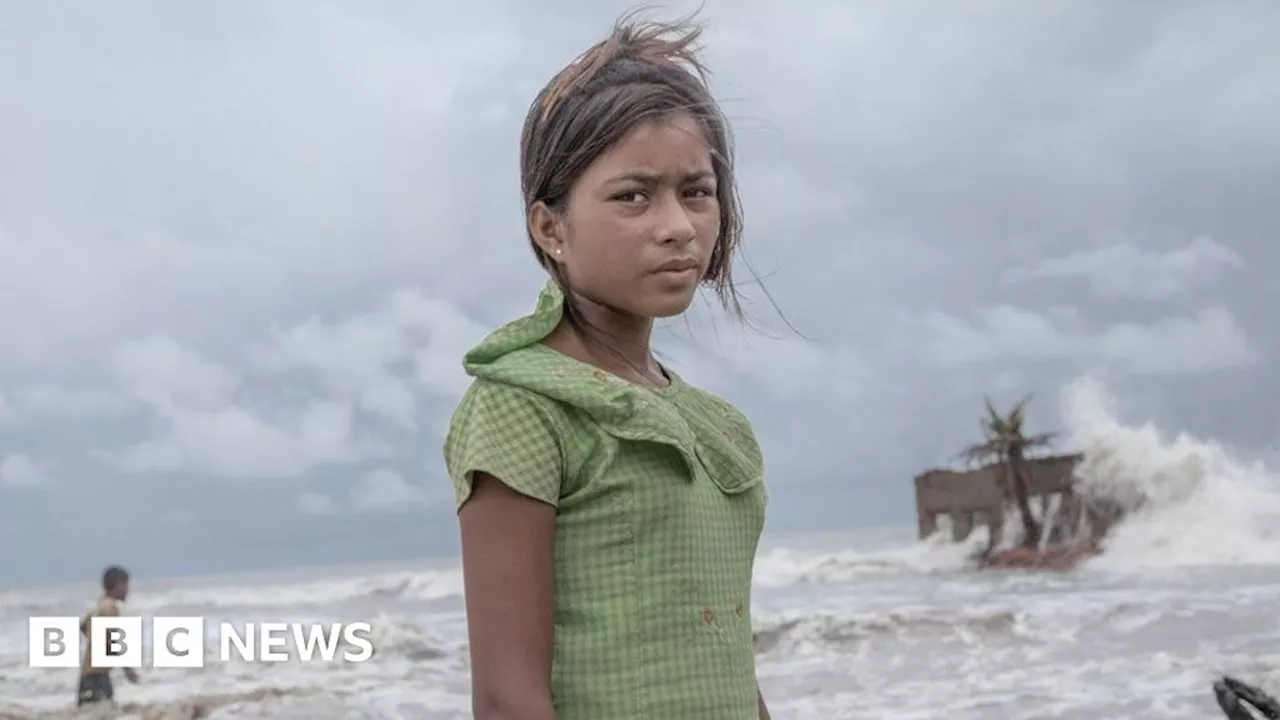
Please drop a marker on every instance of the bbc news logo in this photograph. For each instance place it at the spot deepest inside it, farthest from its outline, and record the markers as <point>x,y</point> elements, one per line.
<point>179,642</point>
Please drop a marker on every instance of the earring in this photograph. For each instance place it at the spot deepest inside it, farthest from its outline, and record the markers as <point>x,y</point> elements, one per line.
<point>557,251</point>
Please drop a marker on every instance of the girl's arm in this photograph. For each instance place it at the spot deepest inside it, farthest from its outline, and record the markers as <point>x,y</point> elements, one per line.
<point>508,567</point>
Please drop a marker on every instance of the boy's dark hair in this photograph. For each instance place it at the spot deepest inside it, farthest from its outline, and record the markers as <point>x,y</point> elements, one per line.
<point>642,71</point>
<point>113,576</point>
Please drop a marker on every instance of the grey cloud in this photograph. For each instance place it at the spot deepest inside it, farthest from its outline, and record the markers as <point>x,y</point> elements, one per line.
<point>18,470</point>
<point>160,371</point>
<point>1127,271</point>
<point>312,503</point>
<point>235,443</point>
<point>53,402</point>
<point>382,491</point>
<point>386,490</point>
<point>250,243</point>
<point>1206,341</point>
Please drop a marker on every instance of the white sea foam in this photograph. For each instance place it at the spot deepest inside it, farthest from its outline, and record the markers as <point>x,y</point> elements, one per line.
<point>422,585</point>
<point>1193,501</point>
<point>784,567</point>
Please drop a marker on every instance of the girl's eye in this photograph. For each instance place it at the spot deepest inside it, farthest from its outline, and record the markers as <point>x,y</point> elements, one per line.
<point>701,192</point>
<point>634,196</point>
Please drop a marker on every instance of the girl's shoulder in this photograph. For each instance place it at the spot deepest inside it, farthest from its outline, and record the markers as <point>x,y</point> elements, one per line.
<point>511,433</point>
<point>490,404</point>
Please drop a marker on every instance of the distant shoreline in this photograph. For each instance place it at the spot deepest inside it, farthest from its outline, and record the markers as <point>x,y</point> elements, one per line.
<point>284,573</point>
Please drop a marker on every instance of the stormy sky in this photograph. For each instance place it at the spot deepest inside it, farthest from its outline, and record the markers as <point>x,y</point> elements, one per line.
<point>244,245</point>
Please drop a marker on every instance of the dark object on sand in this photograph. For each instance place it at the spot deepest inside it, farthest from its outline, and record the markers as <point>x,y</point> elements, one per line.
<point>1244,702</point>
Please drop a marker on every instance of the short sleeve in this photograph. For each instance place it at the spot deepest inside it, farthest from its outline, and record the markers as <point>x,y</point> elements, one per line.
<point>509,433</point>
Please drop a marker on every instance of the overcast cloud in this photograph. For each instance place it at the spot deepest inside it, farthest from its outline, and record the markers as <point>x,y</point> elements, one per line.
<point>243,246</point>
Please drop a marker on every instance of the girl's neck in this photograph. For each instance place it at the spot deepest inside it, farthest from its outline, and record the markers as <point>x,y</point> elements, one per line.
<point>616,342</point>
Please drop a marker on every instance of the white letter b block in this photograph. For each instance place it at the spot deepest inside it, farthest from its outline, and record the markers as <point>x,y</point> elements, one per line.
<point>177,642</point>
<point>53,642</point>
<point>115,642</point>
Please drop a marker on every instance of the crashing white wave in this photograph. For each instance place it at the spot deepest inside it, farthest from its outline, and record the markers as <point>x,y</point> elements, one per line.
<point>1192,501</point>
<point>937,553</point>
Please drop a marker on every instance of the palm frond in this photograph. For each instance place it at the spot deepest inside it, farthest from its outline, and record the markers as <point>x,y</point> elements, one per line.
<point>1002,434</point>
<point>1019,408</point>
<point>994,421</point>
<point>1039,440</point>
<point>1017,414</point>
<point>979,453</point>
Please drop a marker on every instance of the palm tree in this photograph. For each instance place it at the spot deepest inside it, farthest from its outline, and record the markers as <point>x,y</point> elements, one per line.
<point>1006,445</point>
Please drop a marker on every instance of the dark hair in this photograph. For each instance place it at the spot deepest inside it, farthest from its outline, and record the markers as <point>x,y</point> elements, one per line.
<point>113,576</point>
<point>642,71</point>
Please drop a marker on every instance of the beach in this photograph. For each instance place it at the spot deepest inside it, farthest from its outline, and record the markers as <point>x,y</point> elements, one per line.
<point>893,632</point>
<point>869,623</point>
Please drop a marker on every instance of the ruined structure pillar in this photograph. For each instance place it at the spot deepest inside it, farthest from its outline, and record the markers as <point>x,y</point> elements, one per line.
<point>926,523</point>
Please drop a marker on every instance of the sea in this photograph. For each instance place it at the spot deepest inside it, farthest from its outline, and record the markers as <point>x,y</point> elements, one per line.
<point>869,623</point>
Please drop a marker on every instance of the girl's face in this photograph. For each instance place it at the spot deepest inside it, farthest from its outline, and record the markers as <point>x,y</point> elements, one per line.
<point>642,220</point>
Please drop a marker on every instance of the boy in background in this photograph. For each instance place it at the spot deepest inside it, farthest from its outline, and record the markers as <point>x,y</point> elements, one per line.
<point>95,682</point>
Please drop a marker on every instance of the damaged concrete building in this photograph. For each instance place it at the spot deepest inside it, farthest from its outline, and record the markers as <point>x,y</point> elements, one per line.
<point>973,498</point>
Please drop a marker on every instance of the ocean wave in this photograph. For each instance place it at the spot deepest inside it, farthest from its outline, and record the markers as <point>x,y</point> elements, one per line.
<point>427,585</point>
<point>776,568</point>
<point>189,708</point>
<point>1048,621</point>
<point>411,641</point>
<point>789,634</point>
<point>27,604</point>
<point>936,554</point>
<point>1192,501</point>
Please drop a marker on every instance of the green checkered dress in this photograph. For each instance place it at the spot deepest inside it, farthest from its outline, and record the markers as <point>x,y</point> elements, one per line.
<point>661,503</point>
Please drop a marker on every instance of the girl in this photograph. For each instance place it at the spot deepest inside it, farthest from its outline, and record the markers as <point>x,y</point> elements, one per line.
<point>609,511</point>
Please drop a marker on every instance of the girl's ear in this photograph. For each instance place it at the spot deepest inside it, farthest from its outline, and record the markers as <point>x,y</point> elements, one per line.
<point>546,228</point>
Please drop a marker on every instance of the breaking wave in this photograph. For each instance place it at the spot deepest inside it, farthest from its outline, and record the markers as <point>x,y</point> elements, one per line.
<point>936,554</point>
<point>1191,501</point>
<point>791,634</point>
<point>423,586</point>
<point>184,709</point>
